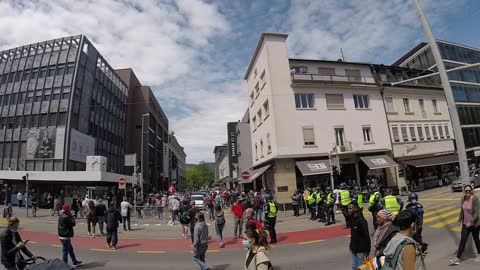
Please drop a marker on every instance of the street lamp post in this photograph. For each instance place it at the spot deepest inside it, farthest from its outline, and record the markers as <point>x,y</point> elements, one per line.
<point>141,157</point>
<point>26,192</point>
<point>457,128</point>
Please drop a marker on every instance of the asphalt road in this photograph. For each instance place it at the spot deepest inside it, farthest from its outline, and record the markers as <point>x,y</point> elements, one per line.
<point>440,231</point>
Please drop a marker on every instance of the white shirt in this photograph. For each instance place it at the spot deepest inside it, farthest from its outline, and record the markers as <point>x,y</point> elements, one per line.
<point>19,196</point>
<point>124,206</point>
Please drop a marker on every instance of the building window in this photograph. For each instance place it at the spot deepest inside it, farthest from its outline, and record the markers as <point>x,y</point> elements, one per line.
<point>434,104</point>
<point>254,121</point>
<point>420,133</point>
<point>252,98</point>
<point>326,71</point>
<point>440,131</point>
<point>259,115</point>
<point>367,135</point>
<point>304,101</point>
<point>266,108</point>
<point>406,105</point>
<point>447,131</point>
<point>339,137</point>
<point>261,148</point>
<point>300,69</point>
<point>353,75</point>
<point>389,104</point>
<point>412,133</point>
<point>403,129</point>
<point>434,132</point>
<point>257,88</point>
<point>334,101</point>
<point>396,137</point>
<point>427,132</point>
<point>269,145</point>
<point>361,101</point>
<point>256,151</point>
<point>421,104</point>
<point>308,136</point>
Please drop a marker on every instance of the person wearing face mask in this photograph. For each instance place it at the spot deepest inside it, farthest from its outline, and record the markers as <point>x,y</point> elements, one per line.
<point>470,222</point>
<point>12,244</point>
<point>385,231</point>
<point>256,242</point>
<point>418,208</point>
<point>402,252</point>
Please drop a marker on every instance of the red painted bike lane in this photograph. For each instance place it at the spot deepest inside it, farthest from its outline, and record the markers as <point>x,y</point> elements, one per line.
<point>169,245</point>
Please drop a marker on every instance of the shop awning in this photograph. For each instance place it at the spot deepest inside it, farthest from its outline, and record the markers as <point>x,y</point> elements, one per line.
<point>256,174</point>
<point>314,167</point>
<point>425,162</point>
<point>378,162</point>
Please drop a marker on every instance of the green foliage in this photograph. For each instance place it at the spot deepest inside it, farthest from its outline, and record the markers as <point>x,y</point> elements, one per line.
<point>199,176</point>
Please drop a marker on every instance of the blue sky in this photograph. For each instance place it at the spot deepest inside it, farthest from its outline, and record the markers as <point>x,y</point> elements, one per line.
<point>194,53</point>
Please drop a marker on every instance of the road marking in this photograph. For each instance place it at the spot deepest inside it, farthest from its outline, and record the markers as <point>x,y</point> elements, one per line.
<point>213,251</point>
<point>445,223</point>
<point>438,211</point>
<point>310,242</point>
<point>151,252</point>
<point>103,249</point>
<point>451,213</point>
<point>440,200</point>
<point>457,229</point>
<point>58,246</point>
<point>32,242</point>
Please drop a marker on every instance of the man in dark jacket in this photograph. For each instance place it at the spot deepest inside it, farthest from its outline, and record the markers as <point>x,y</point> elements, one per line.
<point>360,238</point>
<point>114,218</point>
<point>100,214</point>
<point>191,217</point>
<point>66,222</point>
<point>12,244</point>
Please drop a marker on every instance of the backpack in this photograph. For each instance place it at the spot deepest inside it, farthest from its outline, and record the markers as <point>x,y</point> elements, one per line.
<point>391,263</point>
<point>209,202</point>
<point>220,219</point>
<point>184,217</point>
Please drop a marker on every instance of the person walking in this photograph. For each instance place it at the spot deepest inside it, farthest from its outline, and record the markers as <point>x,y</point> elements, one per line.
<point>20,199</point>
<point>100,214</point>
<point>256,243</point>
<point>114,218</point>
<point>219,224</point>
<point>75,206</point>
<point>417,208</point>
<point>271,210</point>
<point>66,222</point>
<point>208,202</point>
<point>34,204</point>
<point>13,245</point>
<point>184,220</point>
<point>296,204</point>
<point>258,205</point>
<point>360,238</point>
<point>251,223</point>
<point>374,203</point>
<point>469,221</point>
<point>200,241</point>
<point>385,231</point>
<point>91,218</point>
<point>402,252</point>
<point>51,204</point>
<point>330,206</point>
<point>125,208</point>
<point>237,210</point>
<point>192,213</point>
<point>174,205</point>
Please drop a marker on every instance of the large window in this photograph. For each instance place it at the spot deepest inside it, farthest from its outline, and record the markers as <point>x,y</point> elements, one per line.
<point>334,101</point>
<point>421,104</point>
<point>308,136</point>
<point>361,101</point>
<point>367,135</point>
<point>440,131</point>
<point>266,108</point>
<point>447,131</point>
<point>353,75</point>
<point>404,133</point>
<point>326,71</point>
<point>389,104</point>
<point>396,137</point>
<point>434,104</point>
<point>269,144</point>
<point>406,105</point>
<point>339,137</point>
<point>413,135</point>
<point>427,132</point>
<point>304,101</point>
<point>420,133</point>
<point>434,132</point>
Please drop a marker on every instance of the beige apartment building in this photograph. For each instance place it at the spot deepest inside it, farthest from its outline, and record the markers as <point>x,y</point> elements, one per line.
<point>304,113</point>
<point>420,127</point>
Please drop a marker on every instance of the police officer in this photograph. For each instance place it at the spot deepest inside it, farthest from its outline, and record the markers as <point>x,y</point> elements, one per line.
<point>345,200</point>
<point>311,203</point>
<point>330,204</point>
<point>358,198</point>
<point>296,203</point>
<point>392,203</point>
<point>414,205</point>
<point>321,206</point>
<point>374,202</point>
<point>271,210</point>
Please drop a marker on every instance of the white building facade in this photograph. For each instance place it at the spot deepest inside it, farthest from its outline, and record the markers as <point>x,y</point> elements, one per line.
<point>307,110</point>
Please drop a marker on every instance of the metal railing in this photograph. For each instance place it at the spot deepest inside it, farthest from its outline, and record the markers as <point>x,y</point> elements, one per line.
<point>332,78</point>
<point>346,147</point>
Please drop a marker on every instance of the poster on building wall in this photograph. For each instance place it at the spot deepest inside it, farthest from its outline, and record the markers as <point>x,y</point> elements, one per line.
<point>81,146</point>
<point>232,146</point>
<point>42,143</point>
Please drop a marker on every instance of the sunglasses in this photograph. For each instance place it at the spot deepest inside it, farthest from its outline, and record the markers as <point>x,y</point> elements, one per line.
<point>468,190</point>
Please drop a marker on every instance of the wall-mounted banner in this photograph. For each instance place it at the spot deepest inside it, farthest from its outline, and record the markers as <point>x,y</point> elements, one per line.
<point>81,146</point>
<point>45,143</point>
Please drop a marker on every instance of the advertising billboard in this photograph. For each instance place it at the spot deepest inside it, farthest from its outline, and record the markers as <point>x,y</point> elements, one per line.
<point>81,146</point>
<point>45,143</point>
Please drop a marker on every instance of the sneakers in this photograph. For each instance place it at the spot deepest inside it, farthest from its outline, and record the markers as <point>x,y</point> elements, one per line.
<point>477,259</point>
<point>77,263</point>
<point>109,246</point>
<point>114,247</point>
<point>455,261</point>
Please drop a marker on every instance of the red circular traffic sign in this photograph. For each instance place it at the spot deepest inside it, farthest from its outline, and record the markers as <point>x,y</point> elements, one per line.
<point>121,181</point>
<point>245,175</point>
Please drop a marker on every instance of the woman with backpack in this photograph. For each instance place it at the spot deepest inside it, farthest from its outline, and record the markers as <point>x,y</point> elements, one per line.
<point>402,252</point>
<point>256,242</point>
<point>219,224</point>
<point>184,221</point>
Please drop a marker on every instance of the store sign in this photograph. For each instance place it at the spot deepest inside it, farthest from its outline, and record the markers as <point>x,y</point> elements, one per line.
<point>45,143</point>
<point>379,161</point>
<point>232,143</point>
<point>317,166</point>
<point>81,146</point>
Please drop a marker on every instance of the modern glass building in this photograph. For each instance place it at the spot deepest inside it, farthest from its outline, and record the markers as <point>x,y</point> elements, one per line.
<point>465,83</point>
<point>60,101</point>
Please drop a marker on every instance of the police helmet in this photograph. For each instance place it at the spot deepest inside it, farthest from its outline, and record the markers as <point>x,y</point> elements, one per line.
<point>356,189</point>
<point>373,187</point>
<point>412,197</point>
<point>329,189</point>
<point>343,186</point>
<point>269,197</point>
<point>388,191</point>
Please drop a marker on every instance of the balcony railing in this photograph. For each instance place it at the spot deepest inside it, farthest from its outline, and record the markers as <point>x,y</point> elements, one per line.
<point>298,77</point>
<point>346,147</point>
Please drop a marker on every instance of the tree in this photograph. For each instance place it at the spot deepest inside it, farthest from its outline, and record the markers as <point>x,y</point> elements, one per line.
<point>200,175</point>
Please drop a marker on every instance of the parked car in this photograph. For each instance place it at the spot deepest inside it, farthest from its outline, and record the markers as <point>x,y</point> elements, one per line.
<point>198,199</point>
<point>457,185</point>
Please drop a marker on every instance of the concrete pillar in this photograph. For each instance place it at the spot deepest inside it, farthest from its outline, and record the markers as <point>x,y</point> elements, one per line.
<point>357,173</point>
<point>284,176</point>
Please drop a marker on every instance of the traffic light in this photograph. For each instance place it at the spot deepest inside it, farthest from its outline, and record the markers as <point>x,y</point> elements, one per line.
<point>24,178</point>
